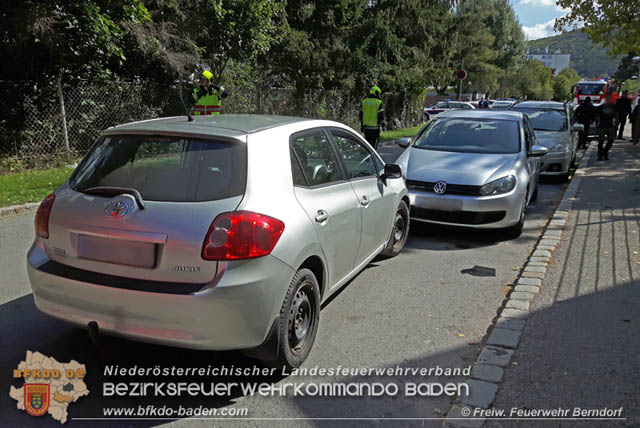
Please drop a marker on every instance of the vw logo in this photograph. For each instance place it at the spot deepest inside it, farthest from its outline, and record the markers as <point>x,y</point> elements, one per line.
<point>440,187</point>
<point>116,209</point>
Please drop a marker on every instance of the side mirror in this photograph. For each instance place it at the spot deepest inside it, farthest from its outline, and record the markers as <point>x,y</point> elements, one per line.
<point>391,170</point>
<point>577,127</point>
<point>404,142</point>
<point>537,151</point>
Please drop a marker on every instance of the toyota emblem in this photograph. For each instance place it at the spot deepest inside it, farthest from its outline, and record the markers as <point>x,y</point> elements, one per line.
<point>440,187</point>
<point>116,209</point>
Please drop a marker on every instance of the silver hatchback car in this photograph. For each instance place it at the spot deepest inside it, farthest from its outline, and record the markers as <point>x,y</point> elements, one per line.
<point>224,232</point>
<point>474,168</point>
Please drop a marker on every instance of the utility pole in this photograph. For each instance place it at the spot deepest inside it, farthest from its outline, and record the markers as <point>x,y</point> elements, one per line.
<point>460,80</point>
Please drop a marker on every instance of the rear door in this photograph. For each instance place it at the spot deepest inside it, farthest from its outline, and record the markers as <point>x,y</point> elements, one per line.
<point>97,224</point>
<point>363,168</point>
<point>327,198</point>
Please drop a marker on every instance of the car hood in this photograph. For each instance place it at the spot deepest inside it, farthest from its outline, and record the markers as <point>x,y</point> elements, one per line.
<point>473,169</point>
<point>549,139</point>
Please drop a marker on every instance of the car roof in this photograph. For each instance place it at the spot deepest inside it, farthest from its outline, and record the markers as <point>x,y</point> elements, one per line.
<point>229,125</point>
<point>483,114</point>
<point>555,105</point>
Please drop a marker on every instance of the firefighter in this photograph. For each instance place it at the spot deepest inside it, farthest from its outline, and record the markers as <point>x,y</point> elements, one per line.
<point>208,96</point>
<point>372,116</point>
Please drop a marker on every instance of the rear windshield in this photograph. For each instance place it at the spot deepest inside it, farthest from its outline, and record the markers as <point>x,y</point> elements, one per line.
<point>165,168</point>
<point>545,119</point>
<point>471,135</point>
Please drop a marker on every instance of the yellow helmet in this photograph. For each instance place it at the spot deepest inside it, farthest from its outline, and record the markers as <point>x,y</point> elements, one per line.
<point>207,74</point>
<point>375,90</point>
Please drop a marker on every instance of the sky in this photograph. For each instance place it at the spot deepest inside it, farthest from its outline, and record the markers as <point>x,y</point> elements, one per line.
<point>537,16</point>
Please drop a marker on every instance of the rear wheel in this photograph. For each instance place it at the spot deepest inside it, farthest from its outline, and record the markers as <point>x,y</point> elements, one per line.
<point>297,323</point>
<point>399,232</point>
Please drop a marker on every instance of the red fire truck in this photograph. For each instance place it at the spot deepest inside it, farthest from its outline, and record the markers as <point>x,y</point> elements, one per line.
<point>597,88</point>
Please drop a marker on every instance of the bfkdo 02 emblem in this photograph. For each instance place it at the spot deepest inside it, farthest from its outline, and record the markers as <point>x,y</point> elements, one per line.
<point>36,398</point>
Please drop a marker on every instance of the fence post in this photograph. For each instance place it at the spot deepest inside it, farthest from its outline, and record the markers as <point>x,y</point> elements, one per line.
<point>64,115</point>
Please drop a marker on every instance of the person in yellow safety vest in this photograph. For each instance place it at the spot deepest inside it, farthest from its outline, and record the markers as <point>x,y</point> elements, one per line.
<point>372,116</point>
<point>208,97</point>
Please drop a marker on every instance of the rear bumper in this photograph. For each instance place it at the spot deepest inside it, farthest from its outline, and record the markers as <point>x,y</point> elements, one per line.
<point>235,311</point>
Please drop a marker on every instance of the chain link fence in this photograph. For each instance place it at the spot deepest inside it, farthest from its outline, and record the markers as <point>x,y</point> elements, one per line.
<point>64,121</point>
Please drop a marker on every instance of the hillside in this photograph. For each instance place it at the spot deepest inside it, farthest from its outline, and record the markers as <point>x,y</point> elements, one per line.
<point>587,58</point>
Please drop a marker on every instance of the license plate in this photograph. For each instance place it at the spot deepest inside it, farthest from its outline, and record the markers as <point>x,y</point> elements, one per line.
<point>438,203</point>
<point>117,251</point>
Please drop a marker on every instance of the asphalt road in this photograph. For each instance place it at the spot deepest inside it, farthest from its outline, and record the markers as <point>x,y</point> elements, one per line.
<point>415,310</point>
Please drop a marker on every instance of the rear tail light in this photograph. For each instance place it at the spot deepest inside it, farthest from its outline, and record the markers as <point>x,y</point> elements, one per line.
<point>241,235</point>
<point>42,217</point>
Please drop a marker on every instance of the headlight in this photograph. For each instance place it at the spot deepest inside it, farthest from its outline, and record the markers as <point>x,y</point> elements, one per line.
<point>501,185</point>
<point>559,148</point>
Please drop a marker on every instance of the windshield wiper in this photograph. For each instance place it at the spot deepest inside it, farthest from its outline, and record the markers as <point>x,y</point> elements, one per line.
<point>115,191</point>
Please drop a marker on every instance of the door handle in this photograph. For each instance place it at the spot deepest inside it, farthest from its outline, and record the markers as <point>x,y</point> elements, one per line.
<point>364,201</point>
<point>322,216</point>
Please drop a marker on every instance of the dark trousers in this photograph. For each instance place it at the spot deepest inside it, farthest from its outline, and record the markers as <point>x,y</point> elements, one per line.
<point>623,122</point>
<point>605,133</point>
<point>372,136</point>
<point>582,142</point>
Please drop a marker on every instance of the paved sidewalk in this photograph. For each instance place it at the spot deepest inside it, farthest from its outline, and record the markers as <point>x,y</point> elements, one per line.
<point>581,343</point>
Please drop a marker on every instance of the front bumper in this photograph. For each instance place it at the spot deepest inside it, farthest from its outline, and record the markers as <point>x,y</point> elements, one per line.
<point>490,212</point>
<point>235,311</point>
<point>555,163</point>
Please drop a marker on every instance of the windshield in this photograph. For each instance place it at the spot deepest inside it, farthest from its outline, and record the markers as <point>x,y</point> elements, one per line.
<point>165,168</point>
<point>590,88</point>
<point>545,119</point>
<point>471,135</point>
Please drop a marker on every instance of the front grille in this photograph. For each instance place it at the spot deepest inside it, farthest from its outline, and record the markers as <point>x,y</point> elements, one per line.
<point>452,189</point>
<point>458,217</point>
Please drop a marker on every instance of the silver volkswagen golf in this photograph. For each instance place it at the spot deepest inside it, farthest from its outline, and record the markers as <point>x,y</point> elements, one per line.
<point>224,232</point>
<point>475,168</point>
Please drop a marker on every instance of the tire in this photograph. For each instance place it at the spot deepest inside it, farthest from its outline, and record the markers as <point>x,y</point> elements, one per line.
<point>297,324</point>
<point>426,117</point>
<point>515,231</point>
<point>399,231</point>
<point>534,197</point>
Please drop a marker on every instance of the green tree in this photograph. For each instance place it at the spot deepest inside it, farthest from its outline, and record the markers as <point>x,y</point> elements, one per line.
<point>614,23</point>
<point>627,68</point>
<point>563,82</point>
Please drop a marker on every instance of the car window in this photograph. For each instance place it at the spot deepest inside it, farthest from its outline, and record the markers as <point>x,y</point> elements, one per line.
<point>529,134</point>
<point>441,105</point>
<point>545,119</point>
<point>466,106</point>
<point>165,168</point>
<point>357,159</point>
<point>316,159</point>
<point>470,135</point>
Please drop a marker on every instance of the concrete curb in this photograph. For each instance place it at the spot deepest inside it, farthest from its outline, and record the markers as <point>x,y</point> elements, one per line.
<point>504,335</point>
<point>18,209</point>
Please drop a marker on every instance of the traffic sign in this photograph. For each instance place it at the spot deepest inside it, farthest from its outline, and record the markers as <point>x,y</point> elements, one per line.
<point>461,74</point>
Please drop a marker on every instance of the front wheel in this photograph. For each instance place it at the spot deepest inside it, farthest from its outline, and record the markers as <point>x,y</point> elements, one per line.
<point>515,231</point>
<point>399,231</point>
<point>297,323</point>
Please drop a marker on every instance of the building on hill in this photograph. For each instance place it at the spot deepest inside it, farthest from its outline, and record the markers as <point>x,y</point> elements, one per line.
<point>556,61</point>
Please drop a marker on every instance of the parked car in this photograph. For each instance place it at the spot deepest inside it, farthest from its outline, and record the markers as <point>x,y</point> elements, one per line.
<point>443,106</point>
<point>475,169</point>
<point>502,105</point>
<point>553,123</point>
<point>225,232</point>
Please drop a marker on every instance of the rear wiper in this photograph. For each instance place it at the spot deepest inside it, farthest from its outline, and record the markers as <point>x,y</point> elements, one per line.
<point>115,191</point>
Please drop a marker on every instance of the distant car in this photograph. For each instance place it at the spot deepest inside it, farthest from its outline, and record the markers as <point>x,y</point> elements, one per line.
<point>553,123</point>
<point>443,106</point>
<point>475,169</point>
<point>225,232</point>
<point>501,105</point>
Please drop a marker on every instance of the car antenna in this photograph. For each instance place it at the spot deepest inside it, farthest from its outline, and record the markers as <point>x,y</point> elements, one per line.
<point>186,110</point>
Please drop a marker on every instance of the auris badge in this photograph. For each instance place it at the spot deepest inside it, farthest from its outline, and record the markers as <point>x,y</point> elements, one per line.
<point>116,209</point>
<point>440,187</point>
<point>36,398</point>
